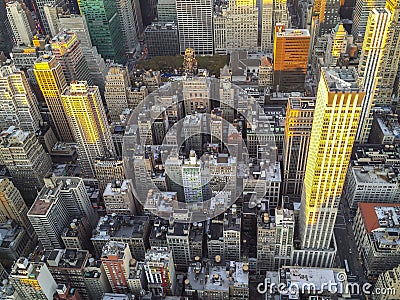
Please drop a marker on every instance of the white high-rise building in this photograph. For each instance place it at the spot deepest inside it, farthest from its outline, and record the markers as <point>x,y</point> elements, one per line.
<point>25,159</point>
<point>267,8</point>
<point>371,62</point>
<point>19,106</point>
<point>237,26</point>
<point>336,116</point>
<point>60,201</point>
<point>195,25</point>
<point>116,91</point>
<point>19,23</point>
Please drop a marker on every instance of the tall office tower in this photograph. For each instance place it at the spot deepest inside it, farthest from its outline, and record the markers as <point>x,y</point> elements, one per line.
<point>19,106</point>
<point>41,14</point>
<point>118,198</point>
<point>51,11</point>
<point>67,51</point>
<point>52,83</point>
<point>12,205</point>
<point>60,201</point>
<point>267,26</point>
<point>160,271</point>
<point>337,45</point>
<point>298,122</point>
<point>232,234</point>
<point>371,66</point>
<point>219,25</point>
<point>116,258</point>
<point>104,27</point>
<point>162,39</point>
<point>166,10</point>
<point>19,23</point>
<point>284,238</point>
<point>336,116</point>
<point>127,23</point>
<point>26,160</point>
<point>326,16</point>
<point>6,34</point>
<point>290,58</point>
<point>77,24</point>
<point>173,172</point>
<point>241,25</point>
<point>195,25</point>
<point>88,122</point>
<point>95,63</point>
<point>391,57</point>
<point>116,91</point>
<point>178,243</point>
<point>108,169</point>
<point>32,280</point>
<point>360,16</point>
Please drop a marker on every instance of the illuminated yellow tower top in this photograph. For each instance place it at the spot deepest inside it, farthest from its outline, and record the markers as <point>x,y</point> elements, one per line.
<point>52,83</point>
<point>88,122</point>
<point>336,116</point>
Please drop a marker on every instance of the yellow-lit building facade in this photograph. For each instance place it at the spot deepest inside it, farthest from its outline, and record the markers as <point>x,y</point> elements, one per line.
<point>370,67</point>
<point>87,118</point>
<point>336,116</point>
<point>52,83</point>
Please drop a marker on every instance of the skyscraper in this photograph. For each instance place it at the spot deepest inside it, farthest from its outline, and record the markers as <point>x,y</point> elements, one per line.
<point>105,28</point>
<point>19,23</point>
<point>370,66</point>
<point>267,26</point>
<point>298,122</point>
<point>326,14</point>
<point>360,16</point>
<point>391,56</point>
<point>12,205</point>
<point>26,160</point>
<point>166,10</point>
<point>88,122</point>
<point>128,25</point>
<point>52,83</point>
<point>240,25</point>
<point>336,116</point>
<point>195,25</point>
<point>337,44</point>
<point>60,201</point>
<point>95,63</point>
<point>68,52</point>
<point>116,91</point>
<point>19,105</point>
<point>290,58</point>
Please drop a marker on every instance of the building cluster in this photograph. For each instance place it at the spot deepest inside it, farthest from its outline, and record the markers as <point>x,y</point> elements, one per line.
<point>124,183</point>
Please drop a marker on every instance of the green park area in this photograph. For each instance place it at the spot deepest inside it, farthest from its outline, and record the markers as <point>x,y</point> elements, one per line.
<point>169,63</point>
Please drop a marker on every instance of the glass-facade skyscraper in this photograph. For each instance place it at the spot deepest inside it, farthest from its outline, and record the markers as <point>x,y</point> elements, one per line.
<point>104,28</point>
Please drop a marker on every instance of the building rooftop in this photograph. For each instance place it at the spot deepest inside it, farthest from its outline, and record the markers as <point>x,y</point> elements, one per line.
<point>113,248</point>
<point>380,215</point>
<point>376,174</point>
<point>302,103</point>
<point>341,79</point>
<point>306,276</point>
<point>120,226</point>
<point>290,32</point>
<point>66,258</point>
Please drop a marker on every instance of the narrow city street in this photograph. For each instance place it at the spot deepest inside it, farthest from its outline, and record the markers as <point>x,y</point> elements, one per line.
<point>346,246</point>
